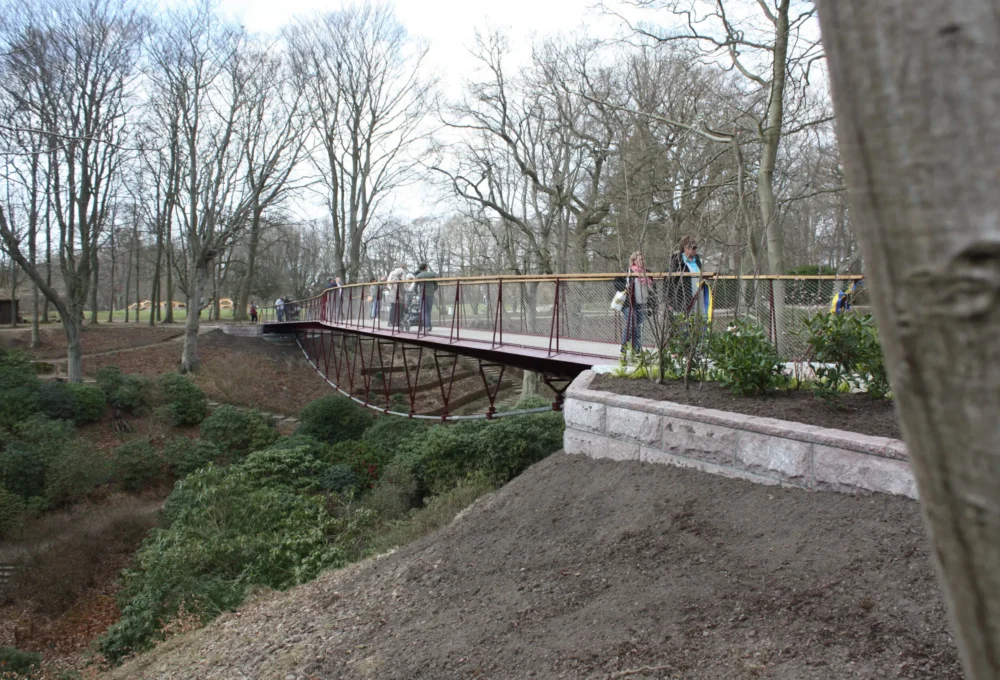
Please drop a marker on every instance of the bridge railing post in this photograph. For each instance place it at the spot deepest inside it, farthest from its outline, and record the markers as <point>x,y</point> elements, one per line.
<point>456,311</point>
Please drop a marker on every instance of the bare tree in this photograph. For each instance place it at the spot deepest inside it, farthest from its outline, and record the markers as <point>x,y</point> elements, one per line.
<point>273,145</point>
<point>367,102</point>
<point>211,71</point>
<point>71,67</point>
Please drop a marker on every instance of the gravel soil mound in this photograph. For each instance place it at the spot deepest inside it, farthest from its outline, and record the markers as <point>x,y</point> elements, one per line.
<point>584,568</point>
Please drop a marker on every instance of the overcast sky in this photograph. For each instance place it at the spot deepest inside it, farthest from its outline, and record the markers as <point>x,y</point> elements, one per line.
<point>448,27</point>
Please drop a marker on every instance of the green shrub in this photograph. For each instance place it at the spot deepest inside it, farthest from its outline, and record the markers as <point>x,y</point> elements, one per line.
<point>388,432</point>
<point>442,455</point>
<point>19,388</point>
<point>185,400</point>
<point>333,419</point>
<point>57,401</point>
<point>745,361</point>
<point>34,444</point>
<point>292,468</point>
<point>391,499</point>
<point>184,455</point>
<point>18,663</point>
<point>509,446</point>
<point>74,471</point>
<point>129,393</point>
<point>90,403</point>
<point>43,434</point>
<point>438,457</point>
<point>316,448</point>
<point>12,508</point>
<point>437,512</point>
<point>228,535</point>
<point>366,461</point>
<point>22,470</point>
<point>532,401</point>
<point>136,463</point>
<point>339,478</point>
<point>847,353</point>
<point>237,430</point>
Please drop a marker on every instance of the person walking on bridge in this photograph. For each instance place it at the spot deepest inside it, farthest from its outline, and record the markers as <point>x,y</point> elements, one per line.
<point>638,288</point>
<point>395,293</point>
<point>426,292</point>
<point>279,308</point>
<point>682,291</point>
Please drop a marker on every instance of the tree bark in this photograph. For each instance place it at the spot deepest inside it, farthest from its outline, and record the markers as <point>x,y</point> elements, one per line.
<point>916,88</point>
<point>771,138</point>
<point>529,384</point>
<point>95,265</point>
<point>168,313</point>
<point>189,356</point>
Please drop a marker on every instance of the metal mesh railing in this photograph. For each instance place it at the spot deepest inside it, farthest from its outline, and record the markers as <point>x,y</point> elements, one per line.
<point>572,313</point>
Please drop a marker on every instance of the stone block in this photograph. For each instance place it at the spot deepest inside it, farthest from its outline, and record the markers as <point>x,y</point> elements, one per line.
<point>628,424</point>
<point>598,446</point>
<point>650,455</point>
<point>786,459</point>
<point>838,469</point>
<point>703,441</point>
<point>584,415</point>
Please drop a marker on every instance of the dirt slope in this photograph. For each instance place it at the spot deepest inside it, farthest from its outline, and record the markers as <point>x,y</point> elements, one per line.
<point>588,569</point>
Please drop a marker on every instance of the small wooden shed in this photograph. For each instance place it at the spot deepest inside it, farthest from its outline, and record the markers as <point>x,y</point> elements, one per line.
<point>8,307</point>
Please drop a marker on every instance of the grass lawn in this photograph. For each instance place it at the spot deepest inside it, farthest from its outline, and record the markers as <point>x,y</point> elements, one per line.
<point>180,316</point>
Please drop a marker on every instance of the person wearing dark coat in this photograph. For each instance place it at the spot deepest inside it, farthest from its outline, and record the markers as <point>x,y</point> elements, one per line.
<point>426,292</point>
<point>680,289</point>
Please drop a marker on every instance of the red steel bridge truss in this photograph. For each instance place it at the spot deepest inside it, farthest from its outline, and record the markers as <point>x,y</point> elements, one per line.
<point>375,340</point>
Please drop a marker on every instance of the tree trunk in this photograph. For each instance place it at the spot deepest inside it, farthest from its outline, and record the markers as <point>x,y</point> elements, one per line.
<point>95,264</point>
<point>74,355</point>
<point>48,256</point>
<point>155,288</point>
<point>111,285</point>
<point>138,274</point>
<point>240,303</point>
<point>771,139</point>
<point>168,313</point>
<point>916,89</point>
<point>189,356</point>
<point>529,384</point>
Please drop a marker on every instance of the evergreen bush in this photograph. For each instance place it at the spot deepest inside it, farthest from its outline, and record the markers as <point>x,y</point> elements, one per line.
<point>333,419</point>
<point>12,508</point>
<point>22,470</point>
<point>185,401</point>
<point>339,478</point>
<point>90,403</point>
<point>279,468</point>
<point>387,433</point>
<point>745,361</point>
<point>17,663</point>
<point>57,401</point>
<point>184,455</point>
<point>366,461</point>
<point>19,388</point>
<point>126,392</point>
<point>228,534</point>
<point>74,471</point>
<point>136,464</point>
<point>238,431</point>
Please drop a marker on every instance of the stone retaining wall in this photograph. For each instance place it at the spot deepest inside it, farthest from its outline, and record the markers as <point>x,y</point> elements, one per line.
<point>248,330</point>
<point>764,450</point>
